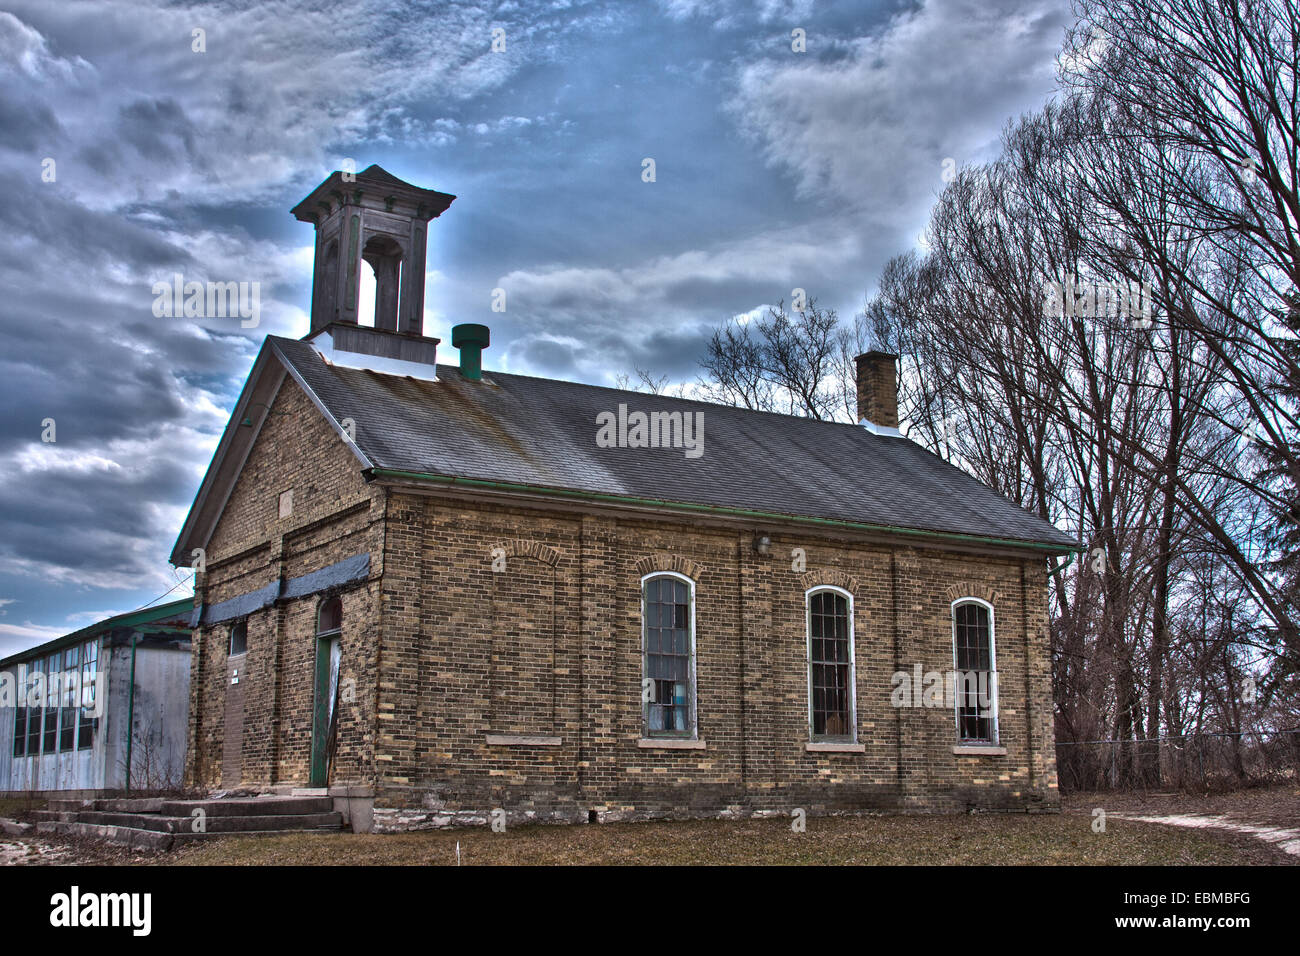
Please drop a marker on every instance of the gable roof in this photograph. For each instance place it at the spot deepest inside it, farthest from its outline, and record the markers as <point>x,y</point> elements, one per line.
<point>537,435</point>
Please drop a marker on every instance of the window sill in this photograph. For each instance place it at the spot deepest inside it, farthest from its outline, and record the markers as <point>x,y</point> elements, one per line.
<point>518,740</point>
<point>669,743</point>
<point>834,748</point>
<point>979,750</point>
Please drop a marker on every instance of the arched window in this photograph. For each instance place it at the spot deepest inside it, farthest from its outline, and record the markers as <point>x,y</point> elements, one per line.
<point>238,639</point>
<point>668,655</point>
<point>330,618</point>
<point>830,665</point>
<point>383,255</point>
<point>975,680</point>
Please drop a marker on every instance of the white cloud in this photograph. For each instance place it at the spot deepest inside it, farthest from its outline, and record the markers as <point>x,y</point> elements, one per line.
<point>728,13</point>
<point>599,321</point>
<point>872,130</point>
<point>778,258</point>
<point>278,84</point>
<point>23,48</point>
<point>15,637</point>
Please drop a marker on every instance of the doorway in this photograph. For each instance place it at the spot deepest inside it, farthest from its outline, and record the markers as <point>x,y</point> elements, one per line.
<point>329,657</point>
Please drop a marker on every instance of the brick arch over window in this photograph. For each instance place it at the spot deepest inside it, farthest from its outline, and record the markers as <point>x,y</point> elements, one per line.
<point>662,561</point>
<point>520,548</point>
<point>969,589</point>
<point>818,578</point>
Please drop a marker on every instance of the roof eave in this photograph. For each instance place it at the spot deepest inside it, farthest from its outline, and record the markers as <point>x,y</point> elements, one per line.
<point>1043,548</point>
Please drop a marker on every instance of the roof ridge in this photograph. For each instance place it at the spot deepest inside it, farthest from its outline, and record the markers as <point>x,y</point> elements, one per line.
<point>672,398</point>
<point>624,391</point>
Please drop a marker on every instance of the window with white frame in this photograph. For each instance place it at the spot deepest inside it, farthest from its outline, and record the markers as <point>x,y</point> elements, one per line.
<point>975,680</point>
<point>89,674</point>
<point>68,712</point>
<point>20,714</point>
<point>36,694</point>
<point>830,665</point>
<point>668,659</point>
<point>52,685</point>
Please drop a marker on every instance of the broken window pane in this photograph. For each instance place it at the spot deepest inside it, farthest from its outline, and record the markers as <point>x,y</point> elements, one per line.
<point>668,656</point>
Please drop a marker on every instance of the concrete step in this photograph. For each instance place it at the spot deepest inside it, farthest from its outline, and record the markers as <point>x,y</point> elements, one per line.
<point>157,823</point>
<point>249,807</point>
<point>263,824</point>
<point>150,838</point>
<point>130,804</point>
<point>124,836</point>
<point>66,804</point>
<point>134,821</point>
<point>214,823</point>
<point>56,814</point>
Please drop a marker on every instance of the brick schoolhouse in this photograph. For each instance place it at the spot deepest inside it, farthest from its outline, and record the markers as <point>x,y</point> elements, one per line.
<point>441,590</point>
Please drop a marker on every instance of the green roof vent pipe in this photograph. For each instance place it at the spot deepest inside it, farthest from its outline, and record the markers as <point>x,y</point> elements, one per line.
<point>471,339</point>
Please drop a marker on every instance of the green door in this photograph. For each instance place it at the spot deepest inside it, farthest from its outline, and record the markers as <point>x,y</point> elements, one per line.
<point>325,711</point>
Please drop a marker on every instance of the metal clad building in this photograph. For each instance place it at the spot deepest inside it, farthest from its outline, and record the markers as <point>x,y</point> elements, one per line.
<point>66,706</point>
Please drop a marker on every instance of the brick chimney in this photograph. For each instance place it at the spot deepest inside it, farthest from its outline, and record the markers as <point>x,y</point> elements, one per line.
<point>878,389</point>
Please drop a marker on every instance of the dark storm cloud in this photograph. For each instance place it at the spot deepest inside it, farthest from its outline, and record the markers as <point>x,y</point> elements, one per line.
<point>26,125</point>
<point>88,522</point>
<point>551,357</point>
<point>44,226</point>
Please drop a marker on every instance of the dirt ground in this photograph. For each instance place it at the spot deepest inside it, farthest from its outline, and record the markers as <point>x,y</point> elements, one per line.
<point>1270,815</point>
<point>1065,839</point>
<point>1263,806</point>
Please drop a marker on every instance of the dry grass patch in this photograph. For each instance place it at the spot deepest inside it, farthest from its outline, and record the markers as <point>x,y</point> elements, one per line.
<point>1065,840</point>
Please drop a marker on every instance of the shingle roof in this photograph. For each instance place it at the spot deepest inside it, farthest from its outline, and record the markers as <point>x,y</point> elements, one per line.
<point>541,432</point>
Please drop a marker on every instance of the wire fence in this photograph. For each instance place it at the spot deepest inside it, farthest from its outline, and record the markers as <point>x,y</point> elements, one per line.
<point>1218,761</point>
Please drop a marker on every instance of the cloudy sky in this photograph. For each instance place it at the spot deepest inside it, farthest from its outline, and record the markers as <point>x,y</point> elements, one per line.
<point>775,169</point>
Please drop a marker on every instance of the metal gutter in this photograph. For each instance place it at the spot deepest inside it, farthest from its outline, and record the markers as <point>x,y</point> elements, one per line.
<point>721,510</point>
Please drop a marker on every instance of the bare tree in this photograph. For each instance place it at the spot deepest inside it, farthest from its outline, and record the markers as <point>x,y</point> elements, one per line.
<point>1155,410</point>
<point>792,362</point>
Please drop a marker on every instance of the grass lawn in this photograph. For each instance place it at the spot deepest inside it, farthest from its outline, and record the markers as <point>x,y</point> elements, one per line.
<point>1064,840</point>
